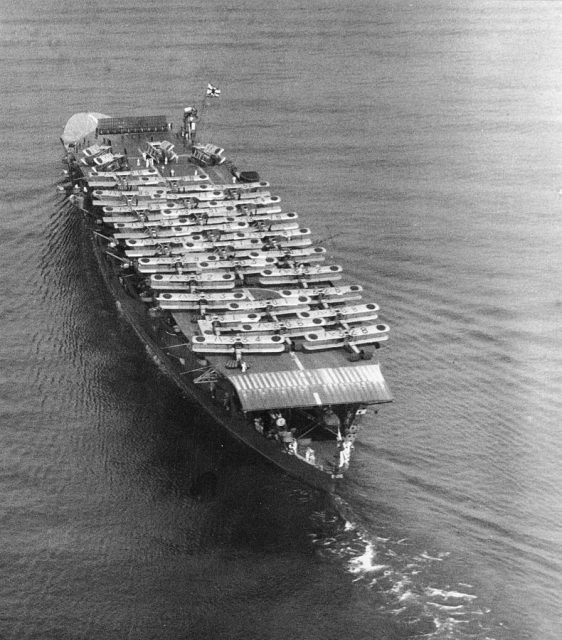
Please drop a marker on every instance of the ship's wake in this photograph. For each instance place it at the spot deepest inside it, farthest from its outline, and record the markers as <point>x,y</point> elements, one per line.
<point>402,581</point>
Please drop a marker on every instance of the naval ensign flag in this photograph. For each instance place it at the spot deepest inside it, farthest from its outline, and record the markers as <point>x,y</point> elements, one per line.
<point>213,91</point>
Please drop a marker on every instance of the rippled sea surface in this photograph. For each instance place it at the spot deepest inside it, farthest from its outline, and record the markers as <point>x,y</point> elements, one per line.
<point>422,144</point>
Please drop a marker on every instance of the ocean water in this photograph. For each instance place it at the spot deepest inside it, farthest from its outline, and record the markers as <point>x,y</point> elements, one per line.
<point>421,142</point>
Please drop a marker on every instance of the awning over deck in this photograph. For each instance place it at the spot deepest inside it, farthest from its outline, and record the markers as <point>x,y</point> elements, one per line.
<point>311,387</point>
<point>80,126</point>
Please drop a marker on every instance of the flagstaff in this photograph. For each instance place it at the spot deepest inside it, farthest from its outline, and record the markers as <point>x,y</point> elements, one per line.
<point>192,116</point>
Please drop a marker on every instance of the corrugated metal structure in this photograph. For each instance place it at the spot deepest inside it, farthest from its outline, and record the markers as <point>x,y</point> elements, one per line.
<point>311,387</point>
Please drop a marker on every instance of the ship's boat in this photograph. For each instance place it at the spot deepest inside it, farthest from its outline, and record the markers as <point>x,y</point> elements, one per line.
<point>227,290</point>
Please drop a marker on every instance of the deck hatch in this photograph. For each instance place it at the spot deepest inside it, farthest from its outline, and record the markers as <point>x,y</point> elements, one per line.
<point>302,388</point>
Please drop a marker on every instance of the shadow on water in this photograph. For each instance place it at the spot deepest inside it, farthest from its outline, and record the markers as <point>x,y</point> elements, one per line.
<point>204,486</point>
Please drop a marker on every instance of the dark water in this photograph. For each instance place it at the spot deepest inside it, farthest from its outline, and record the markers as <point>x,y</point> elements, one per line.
<point>422,142</point>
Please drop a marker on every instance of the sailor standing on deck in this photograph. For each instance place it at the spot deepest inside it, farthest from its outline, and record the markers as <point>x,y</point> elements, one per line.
<point>283,433</point>
<point>280,421</point>
<point>258,425</point>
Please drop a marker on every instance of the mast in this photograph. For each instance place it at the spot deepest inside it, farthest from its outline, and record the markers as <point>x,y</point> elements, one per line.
<point>192,116</point>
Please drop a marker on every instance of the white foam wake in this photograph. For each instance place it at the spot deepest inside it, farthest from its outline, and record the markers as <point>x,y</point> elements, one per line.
<point>402,579</point>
